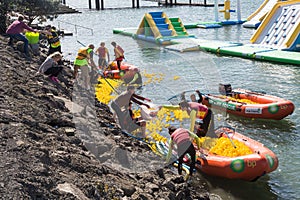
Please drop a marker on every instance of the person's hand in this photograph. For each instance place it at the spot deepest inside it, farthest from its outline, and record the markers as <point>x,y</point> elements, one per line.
<point>147,106</point>
<point>149,100</point>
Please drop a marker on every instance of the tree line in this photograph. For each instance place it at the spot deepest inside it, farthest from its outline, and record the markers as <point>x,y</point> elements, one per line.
<point>33,9</point>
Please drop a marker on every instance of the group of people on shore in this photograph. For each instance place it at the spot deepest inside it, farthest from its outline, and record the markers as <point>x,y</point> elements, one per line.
<point>53,65</point>
<point>84,59</point>
<point>201,116</point>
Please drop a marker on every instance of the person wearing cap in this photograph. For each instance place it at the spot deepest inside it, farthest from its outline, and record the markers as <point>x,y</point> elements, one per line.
<point>53,39</point>
<point>15,31</point>
<point>119,54</point>
<point>182,138</point>
<point>51,66</point>
<point>121,102</point>
<point>198,113</point>
<point>83,59</point>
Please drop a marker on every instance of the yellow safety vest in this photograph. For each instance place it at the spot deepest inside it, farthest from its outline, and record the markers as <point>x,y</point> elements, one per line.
<point>53,39</point>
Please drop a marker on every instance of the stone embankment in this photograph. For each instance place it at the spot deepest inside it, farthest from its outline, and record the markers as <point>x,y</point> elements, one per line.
<point>57,142</point>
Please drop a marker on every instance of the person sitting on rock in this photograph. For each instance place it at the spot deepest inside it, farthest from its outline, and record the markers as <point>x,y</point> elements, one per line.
<point>50,66</point>
<point>15,31</point>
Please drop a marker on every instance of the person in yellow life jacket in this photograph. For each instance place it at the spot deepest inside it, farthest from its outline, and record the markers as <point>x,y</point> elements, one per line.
<point>182,138</point>
<point>201,117</point>
<point>119,54</point>
<point>53,39</point>
<point>83,59</point>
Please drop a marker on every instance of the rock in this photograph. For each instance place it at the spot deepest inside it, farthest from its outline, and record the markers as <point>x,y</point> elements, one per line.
<point>169,185</point>
<point>128,190</point>
<point>160,173</point>
<point>72,189</point>
<point>152,187</point>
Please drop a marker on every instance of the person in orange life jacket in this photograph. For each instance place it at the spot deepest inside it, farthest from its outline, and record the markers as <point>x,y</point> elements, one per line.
<point>15,31</point>
<point>199,111</point>
<point>51,67</point>
<point>193,97</point>
<point>120,104</point>
<point>103,53</point>
<point>53,39</point>
<point>182,138</point>
<point>119,54</point>
<point>83,59</point>
<point>137,120</point>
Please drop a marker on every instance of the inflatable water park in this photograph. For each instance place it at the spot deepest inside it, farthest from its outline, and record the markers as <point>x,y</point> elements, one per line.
<point>276,39</point>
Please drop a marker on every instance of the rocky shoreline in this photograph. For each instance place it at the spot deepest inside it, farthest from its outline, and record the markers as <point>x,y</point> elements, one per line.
<point>58,142</point>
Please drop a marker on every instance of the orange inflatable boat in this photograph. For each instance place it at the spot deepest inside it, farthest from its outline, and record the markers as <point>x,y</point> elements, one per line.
<point>250,104</point>
<point>247,167</point>
<point>127,72</point>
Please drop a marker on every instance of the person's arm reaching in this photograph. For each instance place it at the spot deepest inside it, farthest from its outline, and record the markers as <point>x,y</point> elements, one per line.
<point>193,135</point>
<point>182,96</point>
<point>140,97</point>
<point>25,26</point>
<point>169,151</point>
<point>139,102</point>
<point>193,119</point>
<point>200,96</point>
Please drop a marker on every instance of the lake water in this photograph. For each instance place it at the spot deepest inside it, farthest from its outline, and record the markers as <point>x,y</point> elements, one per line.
<point>204,71</point>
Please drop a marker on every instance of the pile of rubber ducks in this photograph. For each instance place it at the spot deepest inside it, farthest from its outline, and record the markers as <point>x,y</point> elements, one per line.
<point>224,147</point>
<point>246,101</point>
<point>105,89</point>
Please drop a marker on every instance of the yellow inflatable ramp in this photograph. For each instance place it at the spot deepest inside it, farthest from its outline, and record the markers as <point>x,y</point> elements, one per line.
<point>254,20</point>
<point>157,27</point>
<point>281,27</point>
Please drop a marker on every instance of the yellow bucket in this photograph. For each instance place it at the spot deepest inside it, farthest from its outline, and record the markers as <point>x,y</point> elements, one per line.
<point>33,38</point>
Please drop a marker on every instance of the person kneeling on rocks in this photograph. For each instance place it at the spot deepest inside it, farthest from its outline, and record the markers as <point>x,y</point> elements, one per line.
<point>50,66</point>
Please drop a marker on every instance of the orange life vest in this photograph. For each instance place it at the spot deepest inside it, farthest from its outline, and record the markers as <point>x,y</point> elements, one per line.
<point>82,53</point>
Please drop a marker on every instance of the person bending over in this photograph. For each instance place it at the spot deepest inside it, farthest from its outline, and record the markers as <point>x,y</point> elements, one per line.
<point>182,138</point>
